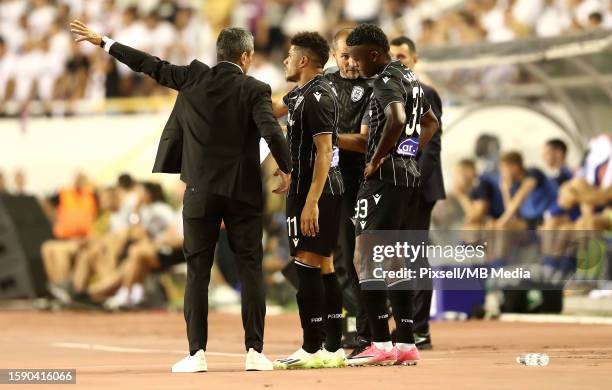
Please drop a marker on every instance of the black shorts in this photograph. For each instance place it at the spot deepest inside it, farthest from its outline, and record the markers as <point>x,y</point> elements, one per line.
<point>384,206</point>
<point>325,241</point>
<point>170,257</point>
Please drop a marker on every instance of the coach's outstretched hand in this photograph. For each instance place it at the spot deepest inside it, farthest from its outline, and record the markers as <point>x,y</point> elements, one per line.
<point>84,33</point>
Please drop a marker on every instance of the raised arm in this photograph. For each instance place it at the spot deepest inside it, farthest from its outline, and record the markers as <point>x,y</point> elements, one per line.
<point>166,74</point>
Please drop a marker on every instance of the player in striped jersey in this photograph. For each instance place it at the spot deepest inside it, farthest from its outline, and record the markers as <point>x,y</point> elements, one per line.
<point>313,201</point>
<point>401,123</point>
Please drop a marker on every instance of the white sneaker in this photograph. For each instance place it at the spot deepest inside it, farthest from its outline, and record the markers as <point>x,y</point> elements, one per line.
<point>195,363</point>
<point>256,361</point>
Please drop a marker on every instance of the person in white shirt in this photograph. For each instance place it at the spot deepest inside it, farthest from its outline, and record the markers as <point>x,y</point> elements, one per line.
<point>553,20</point>
<point>41,17</point>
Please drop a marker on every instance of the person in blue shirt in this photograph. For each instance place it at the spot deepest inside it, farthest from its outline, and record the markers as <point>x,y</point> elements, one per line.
<point>479,196</point>
<point>555,153</point>
<point>527,194</point>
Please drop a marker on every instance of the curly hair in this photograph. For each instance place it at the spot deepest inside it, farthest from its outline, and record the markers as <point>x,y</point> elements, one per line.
<point>368,34</point>
<point>314,43</point>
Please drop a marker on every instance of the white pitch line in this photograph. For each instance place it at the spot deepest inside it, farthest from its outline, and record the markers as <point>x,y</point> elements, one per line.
<point>556,318</point>
<point>111,348</point>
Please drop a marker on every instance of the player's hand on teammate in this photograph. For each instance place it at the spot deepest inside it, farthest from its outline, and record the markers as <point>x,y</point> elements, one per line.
<point>285,182</point>
<point>309,220</point>
<point>84,33</point>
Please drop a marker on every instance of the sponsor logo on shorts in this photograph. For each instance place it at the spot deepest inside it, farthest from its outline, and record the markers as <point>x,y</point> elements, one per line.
<point>384,316</point>
<point>337,315</point>
<point>408,147</point>
<point>316,319</point>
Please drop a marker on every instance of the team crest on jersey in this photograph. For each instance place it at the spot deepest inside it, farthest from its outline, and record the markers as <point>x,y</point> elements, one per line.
<point>357,93</point>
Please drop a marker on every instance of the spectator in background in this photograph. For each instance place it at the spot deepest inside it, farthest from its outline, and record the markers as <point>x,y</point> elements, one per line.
<point>304,15</point>
<point>40,17</point>
<point>487,149</point>
<point>72,84</point>
<point>554,156</point>
<point>527,194</point>
<point>132,32</point>
<point>75,210</point>
<point>361,11</point>
<point>553,20</point>
<point>595,21</point>
<point>480,198</point>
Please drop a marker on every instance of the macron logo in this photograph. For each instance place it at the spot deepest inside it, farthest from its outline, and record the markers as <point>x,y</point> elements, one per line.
<point>317,95</point>
<point>295,241</point>
<point>385,79</point>
<point>376,198</point>
<point>362,223</point>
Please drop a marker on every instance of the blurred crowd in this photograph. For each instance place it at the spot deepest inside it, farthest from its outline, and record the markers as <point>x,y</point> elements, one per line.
<point>113,245</point>
<point>40,61</point>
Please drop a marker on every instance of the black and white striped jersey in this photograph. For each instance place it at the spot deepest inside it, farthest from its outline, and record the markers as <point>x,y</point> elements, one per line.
<point>313,110</point>
<point>396,83</point>
<point>354,98</point>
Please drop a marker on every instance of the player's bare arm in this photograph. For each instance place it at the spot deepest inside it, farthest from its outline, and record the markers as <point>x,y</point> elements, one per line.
<point>310,213</point>
<point>396,121</point>
<point>429,126</point>
<point>354,142</point>
<point>279,108</point>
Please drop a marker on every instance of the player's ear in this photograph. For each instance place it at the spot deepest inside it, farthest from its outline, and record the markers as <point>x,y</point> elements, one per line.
<point>304,61</point>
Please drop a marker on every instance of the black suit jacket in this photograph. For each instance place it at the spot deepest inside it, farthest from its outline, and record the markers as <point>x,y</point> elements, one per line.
<point>212,135</point>
<point>432,181</point>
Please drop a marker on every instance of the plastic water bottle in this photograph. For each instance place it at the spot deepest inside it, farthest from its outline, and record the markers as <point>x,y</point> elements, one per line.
<point>533,359</point>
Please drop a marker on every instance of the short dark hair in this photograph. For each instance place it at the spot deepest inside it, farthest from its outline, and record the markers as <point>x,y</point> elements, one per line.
<point>125,181</point>
<point>399,41</point>
<point>558,144</point>
<point>314,43</point>
<point>368,34</point>
<point>155,191</point>
<point>596,17</point>
<point>513,158</point>
<point>232,42</point>
<point>342,33</point>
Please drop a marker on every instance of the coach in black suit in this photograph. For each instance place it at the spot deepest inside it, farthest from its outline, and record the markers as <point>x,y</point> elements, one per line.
<point>212,139</point>
<point>432,186</point>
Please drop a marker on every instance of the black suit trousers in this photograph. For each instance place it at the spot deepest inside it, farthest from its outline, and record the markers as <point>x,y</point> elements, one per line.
<point>202,216</point>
